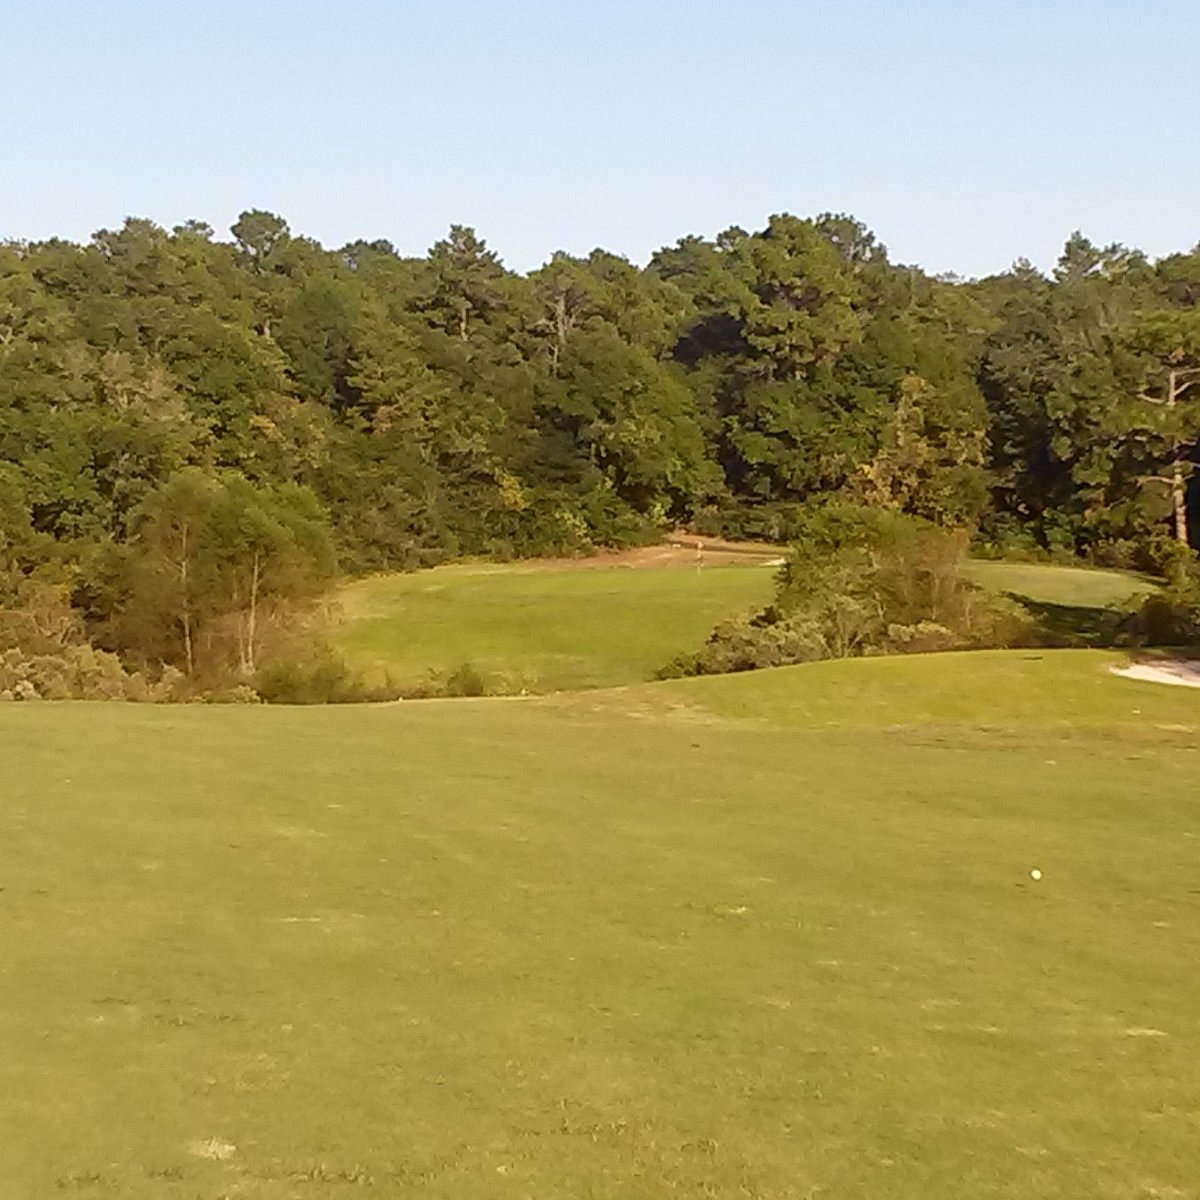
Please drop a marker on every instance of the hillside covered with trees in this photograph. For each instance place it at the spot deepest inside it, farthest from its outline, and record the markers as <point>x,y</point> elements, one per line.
<point>197,436</point>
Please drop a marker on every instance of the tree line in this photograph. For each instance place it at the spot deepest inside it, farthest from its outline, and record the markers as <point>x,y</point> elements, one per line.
<point>196,435</point>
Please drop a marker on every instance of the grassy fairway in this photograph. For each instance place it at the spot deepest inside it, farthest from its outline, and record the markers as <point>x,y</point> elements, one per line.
<point>991,689</point>
<point>767,936</point>
<point>541,628</point>
<point>1072,606</point>
<point>550,628</point>
<point>1071,587</point>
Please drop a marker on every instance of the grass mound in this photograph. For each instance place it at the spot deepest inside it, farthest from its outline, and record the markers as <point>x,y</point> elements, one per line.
<point>986,688</point>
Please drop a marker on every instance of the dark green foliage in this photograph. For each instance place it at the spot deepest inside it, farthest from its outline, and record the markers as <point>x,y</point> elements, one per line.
<point>463,681</point>
<point>1171,616</point>
<point>421,409</point>
<point>316,676</point>
<point>1090,443</point>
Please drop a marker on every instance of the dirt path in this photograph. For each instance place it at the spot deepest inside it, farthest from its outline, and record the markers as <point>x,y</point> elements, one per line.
<point>679,550</point>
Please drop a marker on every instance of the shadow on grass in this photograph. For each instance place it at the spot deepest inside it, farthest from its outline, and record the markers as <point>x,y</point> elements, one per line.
<point>1075,626</point>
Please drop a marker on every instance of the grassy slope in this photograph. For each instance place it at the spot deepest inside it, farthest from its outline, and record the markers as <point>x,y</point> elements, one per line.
<point>616,945</point>
<point>989,688</point>
<point>541,628</point>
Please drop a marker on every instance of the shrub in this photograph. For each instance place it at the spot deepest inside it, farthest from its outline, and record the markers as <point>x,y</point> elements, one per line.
<point>748,644</point>
<point>863,581</point>
<point>323,679</point>
<point>1170,617</point>
<point>465,680</point>
<point>78,672</point>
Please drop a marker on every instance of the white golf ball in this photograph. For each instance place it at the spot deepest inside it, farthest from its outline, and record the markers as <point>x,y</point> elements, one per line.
<point>1035,874</point>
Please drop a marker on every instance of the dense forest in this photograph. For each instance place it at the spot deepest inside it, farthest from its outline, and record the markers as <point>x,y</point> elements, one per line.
<point>197,436</point>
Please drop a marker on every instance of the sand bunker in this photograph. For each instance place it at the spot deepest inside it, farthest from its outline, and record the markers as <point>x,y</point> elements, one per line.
<point>1180,672</point>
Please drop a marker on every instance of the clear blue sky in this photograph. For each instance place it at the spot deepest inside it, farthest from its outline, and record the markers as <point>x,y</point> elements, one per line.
<point>964,132</point>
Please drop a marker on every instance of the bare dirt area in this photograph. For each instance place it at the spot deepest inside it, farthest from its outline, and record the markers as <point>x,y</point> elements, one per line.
<point>680,550</point>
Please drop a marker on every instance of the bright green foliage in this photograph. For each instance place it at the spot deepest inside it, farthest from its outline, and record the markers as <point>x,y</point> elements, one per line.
<point>798,311</point>
<point>825,369</point>
<point>619,946</point>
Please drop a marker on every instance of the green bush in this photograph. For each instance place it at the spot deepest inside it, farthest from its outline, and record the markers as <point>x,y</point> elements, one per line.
<point>324,679</point>
<point>1170,617</point>
<point>864,581</point>
<point>749,644</point>
<point>465,680</point>
<point>79,672</point>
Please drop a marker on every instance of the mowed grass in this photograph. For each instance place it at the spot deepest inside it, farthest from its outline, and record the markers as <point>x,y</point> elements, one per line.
<point>1073,587</point>
<point>987,689</point>
<point>539,628</point>
<point>768,936</point>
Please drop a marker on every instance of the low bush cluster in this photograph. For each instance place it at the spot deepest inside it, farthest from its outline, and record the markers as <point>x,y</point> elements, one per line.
<point>863,581</point>
<point>465,680</point>
<point>1171,616</point>
<point>80,672</point>
<point>44,654</point>
<point>322,677</point>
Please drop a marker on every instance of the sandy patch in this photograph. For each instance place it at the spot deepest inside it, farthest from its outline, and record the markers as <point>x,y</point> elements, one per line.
<point>1178,672</point>
<point>213,1148</point>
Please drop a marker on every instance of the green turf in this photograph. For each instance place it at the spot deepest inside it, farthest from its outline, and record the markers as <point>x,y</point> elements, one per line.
<point>538,628</point>
<point>542,629</point>
<point>767,936</point>
<point>988,688</point>
<point>1075,587</point>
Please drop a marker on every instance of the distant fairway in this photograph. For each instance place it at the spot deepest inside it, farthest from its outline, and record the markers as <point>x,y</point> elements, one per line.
<point>546,627</point>
<point>1075,587</point>
<point>763,936</point>
<point>541,628</point>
